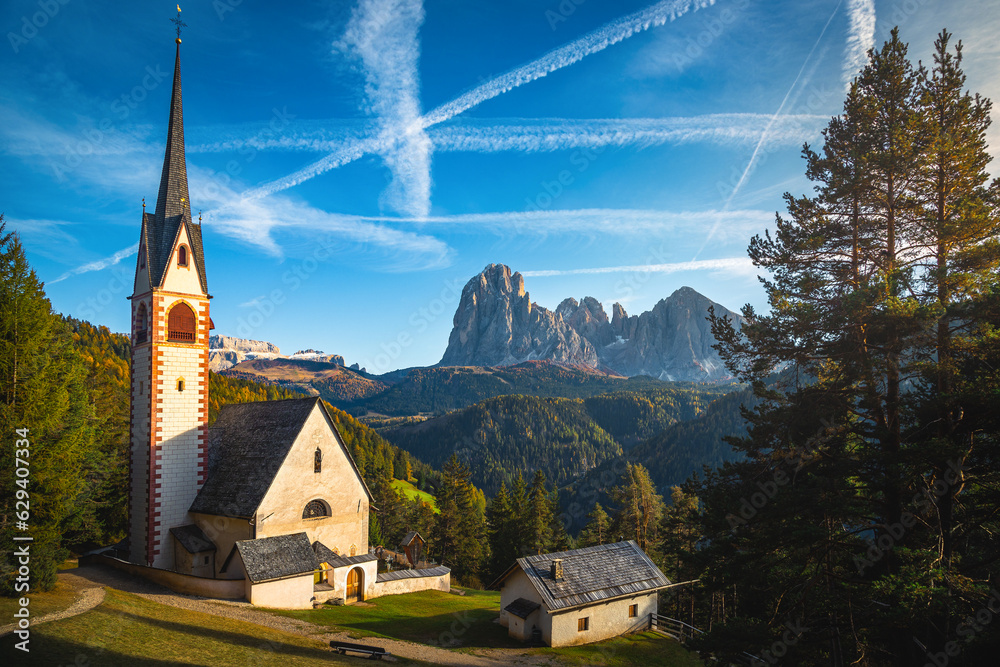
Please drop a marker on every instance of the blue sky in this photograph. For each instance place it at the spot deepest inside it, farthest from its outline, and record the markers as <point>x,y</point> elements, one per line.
<point>358,162</point>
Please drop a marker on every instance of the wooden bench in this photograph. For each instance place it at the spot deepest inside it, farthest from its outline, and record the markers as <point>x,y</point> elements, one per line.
<point>374,652</point>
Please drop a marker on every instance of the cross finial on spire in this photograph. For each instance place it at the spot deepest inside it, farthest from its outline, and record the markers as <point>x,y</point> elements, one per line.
<point>178,23</point>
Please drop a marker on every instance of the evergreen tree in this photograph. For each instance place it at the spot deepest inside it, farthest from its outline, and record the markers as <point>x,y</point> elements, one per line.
<point>45,420</point>
<point>640,508</point>
<point>460,530</point>
<point>538,519</point>
<point>840,512</point>
<point>597,530</point>
<point>502,525</point>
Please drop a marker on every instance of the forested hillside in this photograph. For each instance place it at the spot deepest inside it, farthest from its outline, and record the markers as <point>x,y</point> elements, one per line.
<point>507,435</point>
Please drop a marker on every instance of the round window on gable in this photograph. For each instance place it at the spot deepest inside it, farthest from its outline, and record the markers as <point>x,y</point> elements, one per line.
<point>315,509</point>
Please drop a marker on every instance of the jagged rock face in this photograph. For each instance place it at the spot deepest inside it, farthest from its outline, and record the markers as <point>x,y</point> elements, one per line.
<point>496,324</point>
<point>219,342</point>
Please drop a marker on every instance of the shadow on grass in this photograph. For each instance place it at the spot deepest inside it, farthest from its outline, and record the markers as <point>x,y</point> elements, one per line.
<point>49,651</point>
<point>471,628</point>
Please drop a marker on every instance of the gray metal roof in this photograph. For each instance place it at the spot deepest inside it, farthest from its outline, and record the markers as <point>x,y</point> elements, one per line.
<point>413,574</point>
<point>593,574</point>
<point>344,561</point>
<point>521,608</point>
<point>247,446</point>
<point>192,539</point>
<point>324,554</point>
<point>277,557</point>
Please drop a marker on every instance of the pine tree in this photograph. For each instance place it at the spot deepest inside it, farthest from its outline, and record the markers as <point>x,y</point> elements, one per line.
<point>597,530</point>
<point>502,525</point>
<point>43,384</point>
<point>640,507</point>
<point>539,516</point>
<point>827,517</point>
<point>460,529</point>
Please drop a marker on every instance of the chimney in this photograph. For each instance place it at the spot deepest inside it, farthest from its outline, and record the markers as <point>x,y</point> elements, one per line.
<point>557,571</point>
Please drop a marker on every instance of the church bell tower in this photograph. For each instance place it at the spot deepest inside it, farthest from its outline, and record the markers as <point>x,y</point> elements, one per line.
<point>170,329</point>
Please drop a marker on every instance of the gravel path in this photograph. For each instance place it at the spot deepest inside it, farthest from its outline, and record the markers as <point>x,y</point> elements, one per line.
<point>91,577</point>
<point>85,601</point>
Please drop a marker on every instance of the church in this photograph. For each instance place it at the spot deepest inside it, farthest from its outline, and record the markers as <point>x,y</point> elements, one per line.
<point>268,500</point>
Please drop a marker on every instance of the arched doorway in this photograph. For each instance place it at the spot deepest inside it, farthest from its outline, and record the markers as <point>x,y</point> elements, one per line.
<point>355,585</point>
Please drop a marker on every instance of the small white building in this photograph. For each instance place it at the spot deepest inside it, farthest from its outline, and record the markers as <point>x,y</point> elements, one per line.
<point>580,596</point>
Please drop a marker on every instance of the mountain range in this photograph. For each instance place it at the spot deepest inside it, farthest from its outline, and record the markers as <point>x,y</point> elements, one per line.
<point>497,324</point>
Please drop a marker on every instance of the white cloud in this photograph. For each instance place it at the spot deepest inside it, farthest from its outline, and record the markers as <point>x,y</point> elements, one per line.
<point>860,37</point>
<point>737,265</point>
<point>382,34</point>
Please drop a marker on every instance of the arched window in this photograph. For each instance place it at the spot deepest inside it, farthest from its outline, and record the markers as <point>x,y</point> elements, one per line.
<point>141,320</point>
<point>182,256</point>
<point>318,461</point>
<point>181,323</point>
<point>180,384</point>
<point>315,509</point>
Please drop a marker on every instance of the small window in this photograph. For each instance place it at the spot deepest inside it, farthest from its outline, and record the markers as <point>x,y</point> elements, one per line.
<point>206,560</point>
<point>315,509</point>
<point>182,256</point>
<point>354,550</point>
<point>583,624</point>
<point>180,384</point>
<point>140,388</point>
<point>318,461</point>
<point>633,610</point>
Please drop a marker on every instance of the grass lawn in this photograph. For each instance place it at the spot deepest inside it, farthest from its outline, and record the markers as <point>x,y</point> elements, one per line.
<point>59,598</point>
<point>410,491</point>
<point>427,617</point>
<point>127,630</point>
<point>646,648</point>
<point>467,622</point>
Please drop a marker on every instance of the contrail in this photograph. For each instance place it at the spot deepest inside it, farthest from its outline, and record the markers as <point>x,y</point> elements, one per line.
<point>591,43</point>
<point>724,264</point>
<point>756,151</point>
<point>860,37</point>
<point>99,264</point>
<point>594,42</point>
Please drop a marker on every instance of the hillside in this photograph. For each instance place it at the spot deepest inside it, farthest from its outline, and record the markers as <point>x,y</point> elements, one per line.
<point>502,436</point>
<point>442,389</point>
<point>336,384</point>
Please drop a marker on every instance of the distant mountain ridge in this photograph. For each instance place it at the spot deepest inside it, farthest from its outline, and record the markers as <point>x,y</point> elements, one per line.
<point>224,352</point>
<point>496,324</point>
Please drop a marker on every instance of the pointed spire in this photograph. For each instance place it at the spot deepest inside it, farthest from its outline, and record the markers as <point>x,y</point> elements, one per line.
<point>173,206</point>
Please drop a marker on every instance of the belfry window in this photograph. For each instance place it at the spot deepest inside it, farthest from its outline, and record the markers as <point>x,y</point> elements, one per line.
<point>315,509</point>
<point>141,324</point>
<point>318,461</point>
<point>181,323</point>
<point>182,256</point>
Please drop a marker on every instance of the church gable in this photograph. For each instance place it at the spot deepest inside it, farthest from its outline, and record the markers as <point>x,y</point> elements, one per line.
<point>318,489</point>
<point>182,272</point>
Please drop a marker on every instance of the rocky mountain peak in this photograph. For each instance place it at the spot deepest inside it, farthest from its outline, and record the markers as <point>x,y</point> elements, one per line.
<point>496,324</point>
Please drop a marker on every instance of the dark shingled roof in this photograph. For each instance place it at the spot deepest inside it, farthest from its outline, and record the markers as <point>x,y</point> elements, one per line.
<point>192,539</point>
<point>323,553</point>
<point>247,446</point>
<point>521,608</point>
<point>327,555</point>
<point>409,538</point>
<point>413,574</point>
<point>173,204</point>
<point>593,574</point>
<point>277,557</point>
